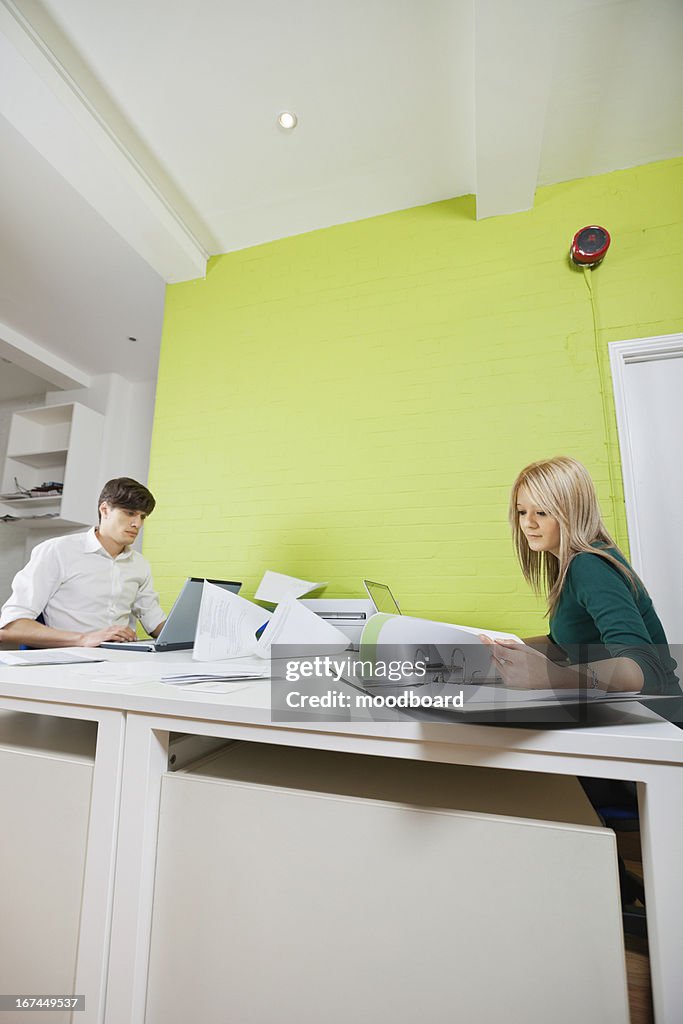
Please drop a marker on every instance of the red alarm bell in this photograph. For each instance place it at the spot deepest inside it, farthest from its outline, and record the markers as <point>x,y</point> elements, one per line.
<point>589,246</point>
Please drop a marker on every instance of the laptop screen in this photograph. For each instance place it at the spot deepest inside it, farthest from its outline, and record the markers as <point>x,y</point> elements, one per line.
<point>181,624</point>
<point>382,598</point>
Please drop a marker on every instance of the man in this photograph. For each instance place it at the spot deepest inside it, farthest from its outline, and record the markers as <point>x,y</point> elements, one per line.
<point>88,587</point>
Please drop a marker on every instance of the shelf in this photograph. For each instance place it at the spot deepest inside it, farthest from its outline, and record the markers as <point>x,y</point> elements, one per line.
<point>59,443</point>
<point>39,459</point>
<point>44,499</point>
<point>47,415</point>
<point>35,521</point>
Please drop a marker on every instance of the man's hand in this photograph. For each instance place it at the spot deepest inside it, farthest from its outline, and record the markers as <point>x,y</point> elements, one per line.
<point>523,668</point>
<point>110,634</point>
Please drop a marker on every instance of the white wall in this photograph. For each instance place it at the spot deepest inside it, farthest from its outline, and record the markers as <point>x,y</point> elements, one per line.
<point>13,536</point>
<point>128,408</point>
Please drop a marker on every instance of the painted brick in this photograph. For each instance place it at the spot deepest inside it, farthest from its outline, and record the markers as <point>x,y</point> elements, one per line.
<point>357,401</point>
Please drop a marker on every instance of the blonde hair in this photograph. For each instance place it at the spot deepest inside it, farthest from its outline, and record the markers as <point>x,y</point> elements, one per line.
<point>562,488</point>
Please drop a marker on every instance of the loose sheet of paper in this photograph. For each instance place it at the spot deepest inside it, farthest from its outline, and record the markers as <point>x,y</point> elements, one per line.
<point>164,669</point>
<point>492,634</point>
<point>217,671</point>
<point>295,624</point>
<point>276,587</point>
<point>50,656</point>
<point>127,673</point>
<point>222,686</point>
<point>226,625</point>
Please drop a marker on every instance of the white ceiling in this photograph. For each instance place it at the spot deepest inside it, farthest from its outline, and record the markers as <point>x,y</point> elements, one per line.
<point>68,279</point>
<point>17,383</point>
<point>139,138</point>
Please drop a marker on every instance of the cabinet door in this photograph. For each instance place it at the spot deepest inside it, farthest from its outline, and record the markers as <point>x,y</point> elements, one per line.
<point>273,904</point>
<point>44,808</point>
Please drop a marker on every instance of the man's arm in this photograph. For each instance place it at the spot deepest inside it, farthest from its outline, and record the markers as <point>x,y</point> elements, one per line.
<point>32,588</point>
<point>34,634</point>
<point>146,607</point>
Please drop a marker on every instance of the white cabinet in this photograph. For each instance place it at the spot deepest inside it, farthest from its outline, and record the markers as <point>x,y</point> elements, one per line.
<point>301,886</point>
<point>46,770</point>
<point>60,444</point>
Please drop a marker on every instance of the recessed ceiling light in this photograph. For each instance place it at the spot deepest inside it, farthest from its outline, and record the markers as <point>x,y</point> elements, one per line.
<point>287,119</point>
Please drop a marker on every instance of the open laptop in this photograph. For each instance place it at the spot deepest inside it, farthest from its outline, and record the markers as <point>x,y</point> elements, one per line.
<point>382,598</point>
<point>179,630</point>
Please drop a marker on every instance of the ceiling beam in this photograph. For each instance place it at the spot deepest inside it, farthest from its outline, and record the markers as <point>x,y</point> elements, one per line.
<point>98,154</point>
<point>30,356</point>
<point>514,54</point>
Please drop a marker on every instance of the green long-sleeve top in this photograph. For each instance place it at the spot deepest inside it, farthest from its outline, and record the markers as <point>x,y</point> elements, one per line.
<point>600,615</point>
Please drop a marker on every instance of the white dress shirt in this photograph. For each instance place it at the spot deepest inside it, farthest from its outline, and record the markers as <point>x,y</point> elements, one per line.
<point>77,585</point>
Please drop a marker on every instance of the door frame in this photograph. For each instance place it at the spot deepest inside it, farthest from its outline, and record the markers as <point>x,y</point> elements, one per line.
<point>621,353</point>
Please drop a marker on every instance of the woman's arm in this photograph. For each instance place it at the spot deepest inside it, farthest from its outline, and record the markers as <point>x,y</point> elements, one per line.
<point>604,593</point>
<point>524,668</point>
<point>597,589</point>
<point>623,675</point>
<point>546,646</point>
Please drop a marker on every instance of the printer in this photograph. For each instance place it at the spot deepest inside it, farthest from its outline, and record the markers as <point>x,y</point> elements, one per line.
<point>349,615</point>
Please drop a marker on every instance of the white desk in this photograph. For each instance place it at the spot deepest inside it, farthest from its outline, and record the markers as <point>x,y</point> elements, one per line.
<point>134,722</point>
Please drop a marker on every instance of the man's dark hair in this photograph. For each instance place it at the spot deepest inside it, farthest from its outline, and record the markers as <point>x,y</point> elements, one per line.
<point>122,492</point>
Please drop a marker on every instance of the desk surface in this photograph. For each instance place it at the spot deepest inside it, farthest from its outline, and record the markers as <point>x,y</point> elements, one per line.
<point>136,714</point>
<point>616,731</point>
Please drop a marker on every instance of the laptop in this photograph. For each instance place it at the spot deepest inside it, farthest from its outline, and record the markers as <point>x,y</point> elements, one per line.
<point>179,630</point>
<point>382,598</point>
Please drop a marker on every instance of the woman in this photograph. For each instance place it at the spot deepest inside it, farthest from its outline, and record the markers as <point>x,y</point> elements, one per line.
<point>600,615</point>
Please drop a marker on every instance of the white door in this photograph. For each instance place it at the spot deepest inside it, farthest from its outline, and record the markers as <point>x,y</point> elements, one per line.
<point>648,388</point>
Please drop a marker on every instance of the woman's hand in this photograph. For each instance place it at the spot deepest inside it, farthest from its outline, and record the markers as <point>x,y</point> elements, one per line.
<point>523,668</point>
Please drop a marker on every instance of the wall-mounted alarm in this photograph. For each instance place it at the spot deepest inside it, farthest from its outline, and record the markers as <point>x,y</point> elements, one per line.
<point>589,246</point>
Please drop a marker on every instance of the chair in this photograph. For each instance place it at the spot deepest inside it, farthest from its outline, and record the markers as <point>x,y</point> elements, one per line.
<point>616,802</point>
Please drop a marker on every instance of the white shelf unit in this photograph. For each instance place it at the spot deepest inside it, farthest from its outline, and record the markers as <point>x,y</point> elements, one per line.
<point>60,443</point>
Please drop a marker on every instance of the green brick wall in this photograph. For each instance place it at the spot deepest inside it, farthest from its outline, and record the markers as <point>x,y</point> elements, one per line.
<point>357,400</point>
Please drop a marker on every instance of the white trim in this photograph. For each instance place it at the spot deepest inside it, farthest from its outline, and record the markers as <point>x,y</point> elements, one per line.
<point>119,187</point>
<point>621,353</point>
<point>34,358</point>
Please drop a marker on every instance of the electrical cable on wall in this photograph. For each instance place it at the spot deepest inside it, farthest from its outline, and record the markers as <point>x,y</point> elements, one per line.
<point>606,419</point>
<point>587,250</point>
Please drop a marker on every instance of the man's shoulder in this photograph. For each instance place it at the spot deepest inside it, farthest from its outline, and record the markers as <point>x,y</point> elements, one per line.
<point>67,542</point>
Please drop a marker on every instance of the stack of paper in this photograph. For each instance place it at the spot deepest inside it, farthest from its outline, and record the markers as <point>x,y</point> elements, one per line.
<point>225,672</point>
<point>227,626</point>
